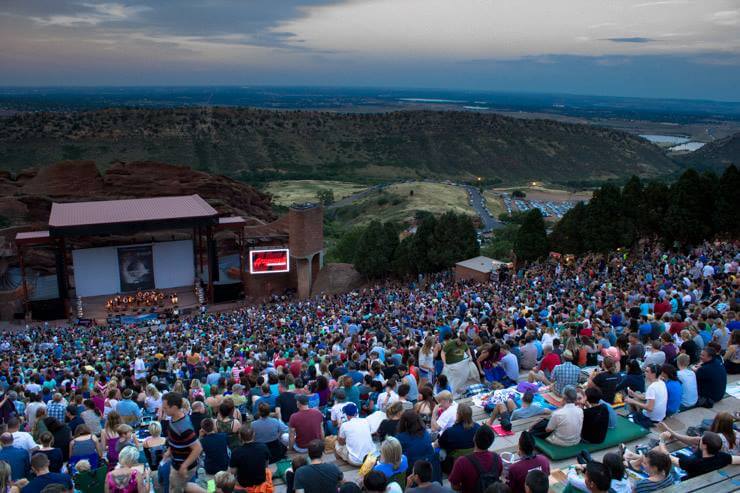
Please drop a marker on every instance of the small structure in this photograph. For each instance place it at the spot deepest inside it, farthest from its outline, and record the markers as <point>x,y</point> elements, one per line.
<point>476,268</point>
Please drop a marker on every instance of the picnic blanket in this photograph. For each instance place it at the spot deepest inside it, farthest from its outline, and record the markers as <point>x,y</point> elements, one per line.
<point>626,431</point>
<point>552,399</point>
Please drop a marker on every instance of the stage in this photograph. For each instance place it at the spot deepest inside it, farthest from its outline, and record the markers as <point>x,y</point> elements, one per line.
<point>94,307</point>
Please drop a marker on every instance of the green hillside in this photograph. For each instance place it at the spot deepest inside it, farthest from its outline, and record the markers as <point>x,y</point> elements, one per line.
<point>715,156</point>
<point>268,145</point>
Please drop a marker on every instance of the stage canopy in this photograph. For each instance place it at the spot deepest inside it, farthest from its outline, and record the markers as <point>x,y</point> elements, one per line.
<point>130,215</point>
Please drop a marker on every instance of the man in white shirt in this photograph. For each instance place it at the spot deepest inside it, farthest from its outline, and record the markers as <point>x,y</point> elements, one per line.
<point>449,412</point>
<point>650,409</point>
<point>21,439</point>
<point>355,440</point>
<point>139,369</point>
<point>32,408</point>
<point>566,423</point>
<point>689,392</point>
<point>337,410</point>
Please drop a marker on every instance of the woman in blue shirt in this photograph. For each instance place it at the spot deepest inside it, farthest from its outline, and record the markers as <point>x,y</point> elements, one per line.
<point>392,462</point>
<point>416,442</point>
<point>669,375</point>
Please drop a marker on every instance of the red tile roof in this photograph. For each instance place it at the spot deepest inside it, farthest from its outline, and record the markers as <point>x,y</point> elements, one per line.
<point>129,210</point>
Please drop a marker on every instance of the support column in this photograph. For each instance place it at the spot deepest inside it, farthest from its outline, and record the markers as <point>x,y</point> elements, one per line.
<point>23,280</point>
<point>212,261</point>
<point>241,264</point>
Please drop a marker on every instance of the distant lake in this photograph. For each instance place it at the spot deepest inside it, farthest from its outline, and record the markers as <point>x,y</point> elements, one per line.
<point>665,139</point>
<point>688,146</point>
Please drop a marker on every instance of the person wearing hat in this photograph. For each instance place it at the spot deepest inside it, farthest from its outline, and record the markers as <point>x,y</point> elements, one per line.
<point>305,425</point>
<point>129,411</point>
<point>355,439</point>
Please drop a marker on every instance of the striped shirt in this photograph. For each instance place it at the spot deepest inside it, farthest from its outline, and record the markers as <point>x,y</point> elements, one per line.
<point>181,437</point>
<point>646,486</point>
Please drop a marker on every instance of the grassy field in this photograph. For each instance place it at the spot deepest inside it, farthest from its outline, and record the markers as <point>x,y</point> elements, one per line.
<point>538,192</point>
<point>287,192</point>
<point>397,203</point>
<point>494,202</point>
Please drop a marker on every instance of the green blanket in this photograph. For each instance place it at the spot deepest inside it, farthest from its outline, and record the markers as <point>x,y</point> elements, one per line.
<point>626,431</point>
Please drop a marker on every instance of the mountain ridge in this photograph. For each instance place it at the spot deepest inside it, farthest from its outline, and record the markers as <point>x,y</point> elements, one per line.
<point>246,143</point>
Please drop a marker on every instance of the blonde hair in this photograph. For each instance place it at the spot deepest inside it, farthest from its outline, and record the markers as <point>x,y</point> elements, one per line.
<point>225,481</point>
<point>129,456</point>
<point>152,391</point>
<point>155,429</point>
<point>391,452</point>
<point>5,476</point>
<point>83,465</point>
<point>124,428</point>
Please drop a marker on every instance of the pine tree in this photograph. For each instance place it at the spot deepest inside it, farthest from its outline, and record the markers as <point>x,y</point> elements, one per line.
<point>531,239</point>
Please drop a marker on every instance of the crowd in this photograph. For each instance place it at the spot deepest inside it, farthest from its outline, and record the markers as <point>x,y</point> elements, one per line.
<point>379,377</point>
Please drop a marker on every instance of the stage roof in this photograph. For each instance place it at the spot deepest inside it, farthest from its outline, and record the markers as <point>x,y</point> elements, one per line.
<point>481,264</point>
<point>112,216</point>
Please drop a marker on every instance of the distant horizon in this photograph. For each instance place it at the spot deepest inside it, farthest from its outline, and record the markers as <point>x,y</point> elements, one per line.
<point>364,87</point>
<point>651,49</point>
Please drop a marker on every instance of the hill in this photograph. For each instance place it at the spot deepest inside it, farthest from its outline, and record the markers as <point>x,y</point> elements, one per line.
<point>715,156</point>
<point>265,145</point>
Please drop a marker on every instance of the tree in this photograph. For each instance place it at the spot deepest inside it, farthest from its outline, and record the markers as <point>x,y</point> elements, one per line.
<point>727,204</point>
<point>689,215</point>
<point>567,235</point>
<point>631,202</point>
<point>454,239</point>
<point>602,223</point>
<point>375,250</point>
<point>531,239</point>
<point>501,246</point>
<point>325,197</point>
<point>344,249</point>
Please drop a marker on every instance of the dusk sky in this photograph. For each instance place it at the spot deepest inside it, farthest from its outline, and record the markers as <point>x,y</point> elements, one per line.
<point>658,48</point>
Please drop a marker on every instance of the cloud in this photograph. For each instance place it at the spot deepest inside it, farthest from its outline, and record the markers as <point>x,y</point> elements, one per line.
<point>634,39</point>
<point>98,13</point>
<point>726,18</point>
<point>660,3</point>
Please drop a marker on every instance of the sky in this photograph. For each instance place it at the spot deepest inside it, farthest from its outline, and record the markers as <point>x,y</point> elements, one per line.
<point>644,48</point>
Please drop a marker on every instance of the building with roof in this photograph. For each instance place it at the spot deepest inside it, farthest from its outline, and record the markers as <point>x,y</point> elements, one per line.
<point>476,268</point>
<point>166,244</point>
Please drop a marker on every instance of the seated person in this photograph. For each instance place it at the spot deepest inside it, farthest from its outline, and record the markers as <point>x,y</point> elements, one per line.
<point>565,424</point>
<point>650,408</point>
<point>389,426</point>
<point>457,440</point>
<point>634,379</point>
<point>595,417</point>
<point>563,375</point>
<point>392,462</point>
<point>669,375</point>
<point>464,475</point>
<point>656,356</point>
<point>722,425</point>
<point>619,482</point>
<point>606,379</point>
<point>527,410</point>
<point>707,458</point>
<point>528,460</point>
<point>656,463</point>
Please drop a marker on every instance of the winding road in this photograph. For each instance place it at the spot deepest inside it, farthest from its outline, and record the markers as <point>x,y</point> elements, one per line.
<point>477,202</point>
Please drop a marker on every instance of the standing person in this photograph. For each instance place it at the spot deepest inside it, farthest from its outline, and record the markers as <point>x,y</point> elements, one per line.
<point>473,472</point>
<point>426,360</point>
<point>355,439</point>
<point>317,476</point>
<point>528,460</point>
<point>184,448</point>
<point>250,462</point>
<point>651,408</point>
<point>456,355</point>
<point>305,425</point>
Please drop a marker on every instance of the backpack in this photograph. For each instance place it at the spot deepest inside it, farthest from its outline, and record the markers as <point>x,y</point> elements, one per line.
<point>485,478</point>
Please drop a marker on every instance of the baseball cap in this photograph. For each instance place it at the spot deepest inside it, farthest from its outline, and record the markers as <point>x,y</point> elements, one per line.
<point>350,409</point>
